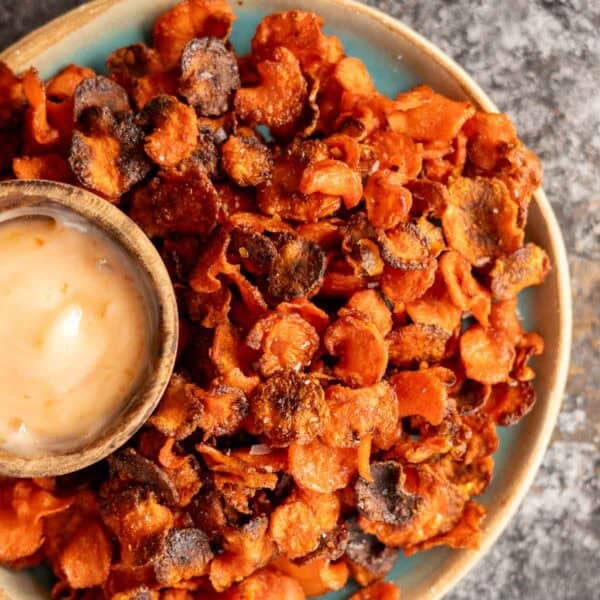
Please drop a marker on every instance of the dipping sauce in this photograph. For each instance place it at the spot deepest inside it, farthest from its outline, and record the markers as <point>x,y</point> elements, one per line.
<point>73,333</point>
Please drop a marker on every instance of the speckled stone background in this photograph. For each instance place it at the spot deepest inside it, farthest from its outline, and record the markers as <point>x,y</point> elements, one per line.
<point>540,62</point>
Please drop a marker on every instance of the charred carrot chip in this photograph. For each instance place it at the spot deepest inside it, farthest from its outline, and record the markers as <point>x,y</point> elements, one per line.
<point>99,92</point>
<point>350,338</point>
<point>246,160</point>
<point>466,292</point>
<point>267,584</point>
<point>509,402</point>
<point>480,220</point>
<point>471,396</point>
<point>49,166</point>
<point>373,306</point>
<point>224,409</point>
<point>332,178</point>
<point>525,267</point>
<point>465,534</point>
<point>85,561</point>
<point>428,197</point>
<point>487,354</point>
<point>301,33</point>
<point>187,20</point>
<point>185,206</point>
<point>402,285</point>
<point>285,341</point>
<point>279,98</point>
<point>421,393</point>
<point>417,342</point>
<point>404,247</point>
<point>288,406</point>
<point>245,550</point>
<point>427,116</point>
<point>387,201</point>
<point>317,576</point>
<point>378,591</point>
<point>209,76</point>
<point>358,413</point>
<point>212,263</point>
<point>320,468</point>
<point>435,307</point>
<point>173,133</point>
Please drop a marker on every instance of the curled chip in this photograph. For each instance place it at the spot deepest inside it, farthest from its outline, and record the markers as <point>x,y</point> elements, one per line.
<point>487,354</point>
<point>286,342</point>
<point>99,92</point>
<point>267,584</point>
<point>297,269</point>
<point>352,337</point>
<point>402,285</point>
<point>316,576</point>
<point>404,247</point>
<point>369,559</point>
<point>255,251</point>
<point>416,343</point>
<point>173,130</point>
<point>288,406</point>
<point>374,306</point>
<point>398,153</point>
<point>388,202</point>
<point>48,166</point>
<point>526,266</point>
<point>509,402</point>
<point>279,98</point>
<point>332,178</point>
<point>187,20</point>
<point>185,553</point>
<point>209,76</point>
<point>480,220</point>
<point>378,591</point>
<point>428,197</point>
<point>246,160</point>
<point>39,133</point>
<point>384,499</point>
<point>165,206</point>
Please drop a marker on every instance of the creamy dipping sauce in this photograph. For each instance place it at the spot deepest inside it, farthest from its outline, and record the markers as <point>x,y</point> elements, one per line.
<point>73,333</point>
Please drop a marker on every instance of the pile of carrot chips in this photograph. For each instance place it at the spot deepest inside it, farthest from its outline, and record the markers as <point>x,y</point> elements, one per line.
<point>347,269</point>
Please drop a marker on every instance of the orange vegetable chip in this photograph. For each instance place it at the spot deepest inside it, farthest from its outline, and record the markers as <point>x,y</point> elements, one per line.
<point>487,354</point>
<point>480,220</point>
<point>405,247</point>
<point>316,577</point>
<point>406,285</point>
<point>466,292</point>
<point>524,267</point>
<point>504,318</point>
<point>428,197</point>
<point>311,313</point>
<point>417,342</point>
<point>267,584</point>
<point>373,306</point>
<point>320,468</point>
<point>489,137</point>
<point>246,160</point>
<point>224,409</point>
<point>378,591</point>
<point>350,338</point>
<point>187,20</point>
<point>52,167</point>
<point>510,402</point>
<point>387,201</point>
<point>286,341</point>
<point>332,178</point>
<point>279,98</point>
<point>398,153</point>
<point>357,413</point>
<point>421,393</point>
<point>39,133</point>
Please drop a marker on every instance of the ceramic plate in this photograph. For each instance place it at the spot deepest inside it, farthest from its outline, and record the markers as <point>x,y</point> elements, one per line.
<point>397,59</point>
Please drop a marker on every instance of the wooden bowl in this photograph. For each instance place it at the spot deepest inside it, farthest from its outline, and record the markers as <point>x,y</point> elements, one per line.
<point>35,197</point>
<point>397,58</point>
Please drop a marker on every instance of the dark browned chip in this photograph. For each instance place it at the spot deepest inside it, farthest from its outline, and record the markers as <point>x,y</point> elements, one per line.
<point>297,270</point>
<point>210,513</point>
<point>331,547</point>
<point>255,251</point>
<point>417,342</point>
<point>134,61</point>
<point>368,553</point>
<point>185,206</point>
<point>404,247</point>
<point>185,553</point>
<point>209,75</point>
<point>428,197</point>
<point>357,228</point>
<point>128,465</point>
<point>288,407</point>
<point>384,500</point>
<point>202,162</point>
<point>246,160</point>
<point>472,396</point>
<point>98,92</point>
<point>509,403</point>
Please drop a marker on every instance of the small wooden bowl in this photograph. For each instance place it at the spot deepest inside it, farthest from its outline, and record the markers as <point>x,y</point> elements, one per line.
<point>159,297</point>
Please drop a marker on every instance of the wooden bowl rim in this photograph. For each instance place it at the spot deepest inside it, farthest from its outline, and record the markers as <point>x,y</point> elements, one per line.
<point>117,225</point>
<point>462,561</point>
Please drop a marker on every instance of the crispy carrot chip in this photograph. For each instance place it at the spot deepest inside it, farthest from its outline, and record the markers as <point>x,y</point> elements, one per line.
<point>428,197</point>
<point>288,406</point>
<point>173,133</point>
<point>487,354</point>
<point>320,468</point>
<point>466,292</point>
<point>388,202</point>
<point>317,576</point>
<point>405,247</point>
<point>224,409</point>
<point>378,591</point>
<point>525,267</point>
<point>509,402</point>
<point>332,178</point>
<point>357,413</point>
<point>187,20</point>
<point>286,341</point>
<point>246,160</point>
<point>279,98</point>
<point>373,306</point>
<point>398,153</point>
<point>49,166</point>
<point>267,584</point>
<point>417,342</point>
<point>209,76</point>
<point>480,220</point>
<point>407,285</point>
<point>39,133</point>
